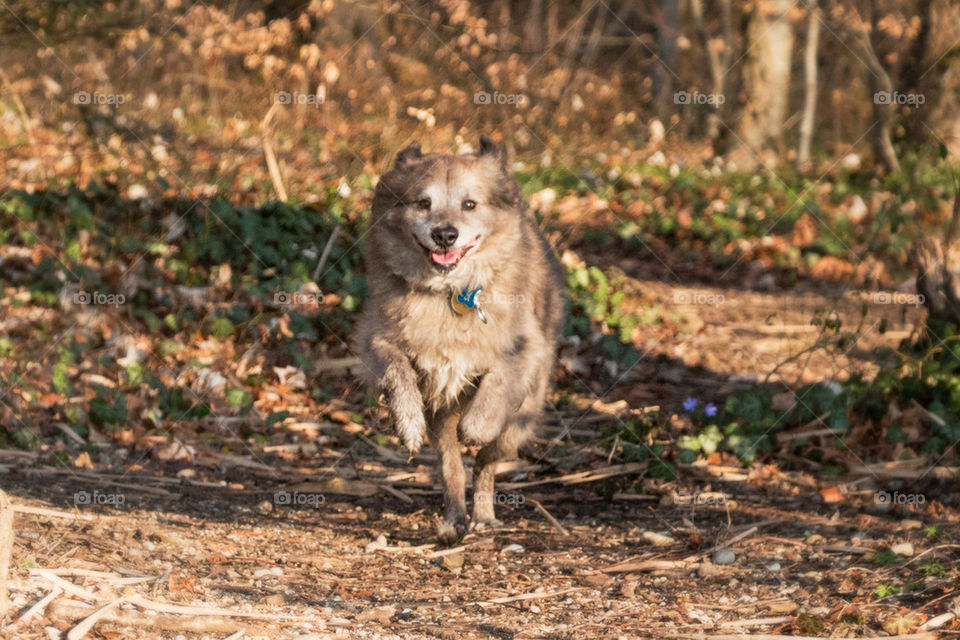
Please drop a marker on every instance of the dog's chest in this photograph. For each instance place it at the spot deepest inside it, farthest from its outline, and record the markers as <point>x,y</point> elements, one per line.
<point>450,351</point>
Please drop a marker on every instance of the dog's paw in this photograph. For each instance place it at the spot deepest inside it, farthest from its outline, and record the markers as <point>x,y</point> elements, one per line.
<point>450,533</point>
<point>485,525</point>
<point>410,425</point>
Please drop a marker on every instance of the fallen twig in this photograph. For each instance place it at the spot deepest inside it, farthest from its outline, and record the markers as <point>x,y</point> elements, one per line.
<point>52,513</point>
<point>68,586</point>
<point>396,493</point>
<point>938,621</point>
<point>85,625</point>
<point>756,622</point>
<point>584,476</point>
<point>546,514</point>
<point>723,545</point>
<point>649,565</point>
<point>536,595</point>
<point>72,610</point>
<point>163,607</point>
<point>767,636</point>
<point>41,605</point>
<point>326,252</point>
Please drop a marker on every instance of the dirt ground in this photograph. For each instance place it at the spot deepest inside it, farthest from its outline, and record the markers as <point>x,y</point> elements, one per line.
<point>321,536</point>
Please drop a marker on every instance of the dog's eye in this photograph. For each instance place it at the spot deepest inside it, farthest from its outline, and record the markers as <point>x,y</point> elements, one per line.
<point>423,203</point>
<point>469,204</point>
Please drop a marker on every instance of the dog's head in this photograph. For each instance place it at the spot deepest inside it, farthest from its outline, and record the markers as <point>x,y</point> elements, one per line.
<point>438,216</point>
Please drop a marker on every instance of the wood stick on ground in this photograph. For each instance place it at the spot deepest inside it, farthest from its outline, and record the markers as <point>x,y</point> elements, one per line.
<point>536,595</point>
<point>86,625</point>
<point>71,610</point>
<point>68,586</point>
<point>756,622</point>
<point>274,169</point>
<point>396,493</point>
<point>546,514</point>
<point>418,549</point>
<point>326,252</point>
<point>163,607</point>
<point>40,605</point>
<point>583,476</point>
<point>6,547</point>
<point>51,513</point>
<point>723,545</point>
<point>648,565</point>
<point>768,636</point>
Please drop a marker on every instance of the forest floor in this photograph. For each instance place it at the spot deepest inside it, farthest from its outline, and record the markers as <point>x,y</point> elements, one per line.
<point>313,535</point>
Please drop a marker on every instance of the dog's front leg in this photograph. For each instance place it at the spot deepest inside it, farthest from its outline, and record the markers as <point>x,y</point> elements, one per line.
<point>399,383</point>
<point>485,416</point>
<point>502,390</point>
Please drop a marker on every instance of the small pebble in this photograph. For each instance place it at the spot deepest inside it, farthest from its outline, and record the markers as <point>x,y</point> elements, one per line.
<point>904,549</point>
<point>773,567</point>
<point>512,548</point>
<point>379,543</point>
<point>724,556</point>
<point>534,609</point>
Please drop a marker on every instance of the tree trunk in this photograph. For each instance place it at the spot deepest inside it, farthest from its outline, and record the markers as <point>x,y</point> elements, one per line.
<point>914,71</point>
<point>667,44</point>
<point>6,548</point>
<point>938,277</point>
<point>596,34</point>
<point>718,59</point>
<point>575,32</point>
<point>767,76</point>
<point>810,86</point>
<point>881,90</point>
<point>533,29</point>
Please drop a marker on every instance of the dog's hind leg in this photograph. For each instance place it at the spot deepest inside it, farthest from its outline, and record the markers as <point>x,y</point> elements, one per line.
<point>443,436</point>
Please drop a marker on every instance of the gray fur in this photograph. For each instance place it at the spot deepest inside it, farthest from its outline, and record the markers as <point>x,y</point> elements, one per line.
<point>448,377</point>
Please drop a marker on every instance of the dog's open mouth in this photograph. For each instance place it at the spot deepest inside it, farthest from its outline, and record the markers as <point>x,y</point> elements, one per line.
<point>447,260</point>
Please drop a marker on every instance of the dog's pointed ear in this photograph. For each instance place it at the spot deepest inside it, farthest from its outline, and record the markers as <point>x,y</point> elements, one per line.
<point>490,148</point>
<point>408,154</point>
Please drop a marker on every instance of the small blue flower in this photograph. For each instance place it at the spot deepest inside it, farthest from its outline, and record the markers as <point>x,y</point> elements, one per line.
<point>710,410</point>
<point>690,404</point>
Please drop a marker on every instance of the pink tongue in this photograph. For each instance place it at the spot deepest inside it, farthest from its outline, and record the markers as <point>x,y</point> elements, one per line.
<point>451,257</point>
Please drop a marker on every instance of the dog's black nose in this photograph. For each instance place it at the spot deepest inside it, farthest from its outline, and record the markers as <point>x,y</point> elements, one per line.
<point>445,236</point>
